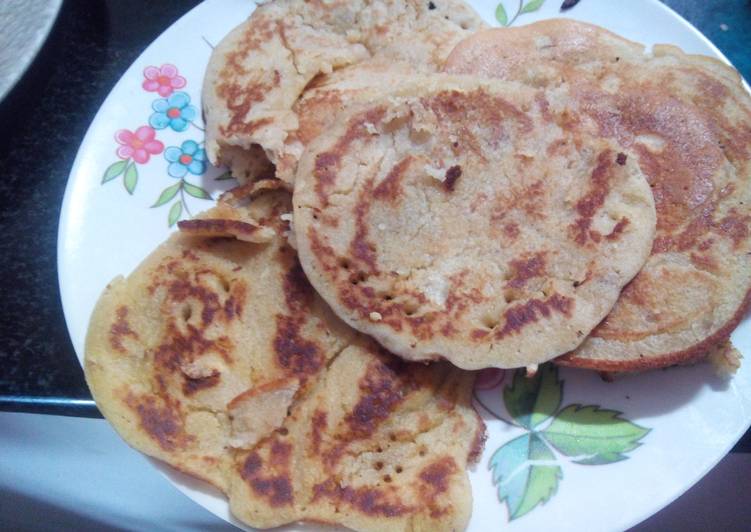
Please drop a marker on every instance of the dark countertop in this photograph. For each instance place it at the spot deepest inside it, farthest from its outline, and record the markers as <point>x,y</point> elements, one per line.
<point>45,117</point>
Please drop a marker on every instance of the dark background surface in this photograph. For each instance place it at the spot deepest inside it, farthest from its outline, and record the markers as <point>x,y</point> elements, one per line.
<point>44,119</point>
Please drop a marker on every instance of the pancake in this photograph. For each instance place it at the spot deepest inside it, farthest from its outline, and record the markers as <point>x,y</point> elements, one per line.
<point>331,94</point>
<point>453,218</point>
<point>213,353</point>
<point>259,70</point>
<point>378,444</point>
<point>199,322</point>
<point>688,118</point>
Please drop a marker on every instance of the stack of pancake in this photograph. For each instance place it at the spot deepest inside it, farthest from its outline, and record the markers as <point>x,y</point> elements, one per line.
<point>421,196</point>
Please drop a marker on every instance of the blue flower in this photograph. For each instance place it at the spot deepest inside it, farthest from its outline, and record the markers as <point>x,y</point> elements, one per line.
<point>187,158</point>
<point>175,112</point>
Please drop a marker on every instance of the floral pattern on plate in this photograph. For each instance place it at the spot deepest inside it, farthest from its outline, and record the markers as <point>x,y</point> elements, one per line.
<point>527,469</point>
<point>174,111</point>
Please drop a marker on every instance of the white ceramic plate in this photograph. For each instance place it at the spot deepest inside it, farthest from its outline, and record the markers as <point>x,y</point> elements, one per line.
<point>24,26</point>
<point>659,433</point>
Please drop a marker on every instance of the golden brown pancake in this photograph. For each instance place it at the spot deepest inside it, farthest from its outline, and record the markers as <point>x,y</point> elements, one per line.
<point>379,444</point>
<point>332,94</point>
<point>688,119</point>
<point>200,322</point>
<point>453,218</point>
<point>216,356</point>
<point>257,73</point>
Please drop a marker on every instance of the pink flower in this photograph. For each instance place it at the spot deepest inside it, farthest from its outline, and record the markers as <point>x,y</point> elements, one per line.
<point>489,378</point>
<point>139,145</point>
<point>163,80</point>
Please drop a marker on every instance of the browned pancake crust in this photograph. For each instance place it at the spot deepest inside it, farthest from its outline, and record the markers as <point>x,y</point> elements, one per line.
<point>217,357</point>
<point>487,276</point>
<point>689,119</point>
<point>259,70</point>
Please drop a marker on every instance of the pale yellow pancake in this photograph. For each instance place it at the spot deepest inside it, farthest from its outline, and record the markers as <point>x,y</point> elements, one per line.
<point>257,73</point>
<point>216,356</point>
<point>688,120</point>
<point>454,218</point>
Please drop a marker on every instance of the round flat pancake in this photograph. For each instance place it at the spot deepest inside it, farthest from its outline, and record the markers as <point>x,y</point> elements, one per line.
<point>377,445</point>
<point>456,219</point>
<point>216,356</point>
<point>201,321</point>
<point>259,70</point>
<point>688,119</point>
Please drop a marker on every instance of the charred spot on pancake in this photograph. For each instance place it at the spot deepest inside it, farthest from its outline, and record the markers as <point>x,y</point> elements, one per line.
<point>298,294</point>
<point>294,353</point>
<point>120,329</point>
<point>193,385</point>
<point>369,501</point>
<point>177,348</point>
<point>189,255</point>
<point>382,389</point>
<point>531,311</point>
<point>240,96</point>
<point>384,386</point>
<point>480,107</point>
<point>324,253</point>
<point>360,247</point>
<point>431,6</point>
<point>735,227</point>
<point>704,262</point>
<point>522,270</point>
<point>511,230</point>
<point>280,453</point>
<point>162,422</point>
<point>182,289</point>
<point>327,164</point>
<point>390,188</point>
<point>235,303</point>
<point>588,205</point>
<point>270,480</point>
<point>479,334</point>
<point>452,174</point>
<point>319,423</point>
<point>435,479</point>
<point>544,105</point>
<point>618,229</point>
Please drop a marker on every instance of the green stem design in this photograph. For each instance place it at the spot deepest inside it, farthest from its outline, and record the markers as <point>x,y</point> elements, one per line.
<point>182,197</point>
<point>492,412</point>
<point>518,12</point>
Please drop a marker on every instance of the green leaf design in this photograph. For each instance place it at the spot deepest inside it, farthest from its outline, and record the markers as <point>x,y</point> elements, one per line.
<point>526,474</point>
<point>532,400</point>
<point>174,213</point>
<point>131,178</point>
<point>114,170</point>
<point>593,436</point>
<point>500,15</point>
<point>534,5</point>
<point>196,192</point>
<point>167,194</point>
